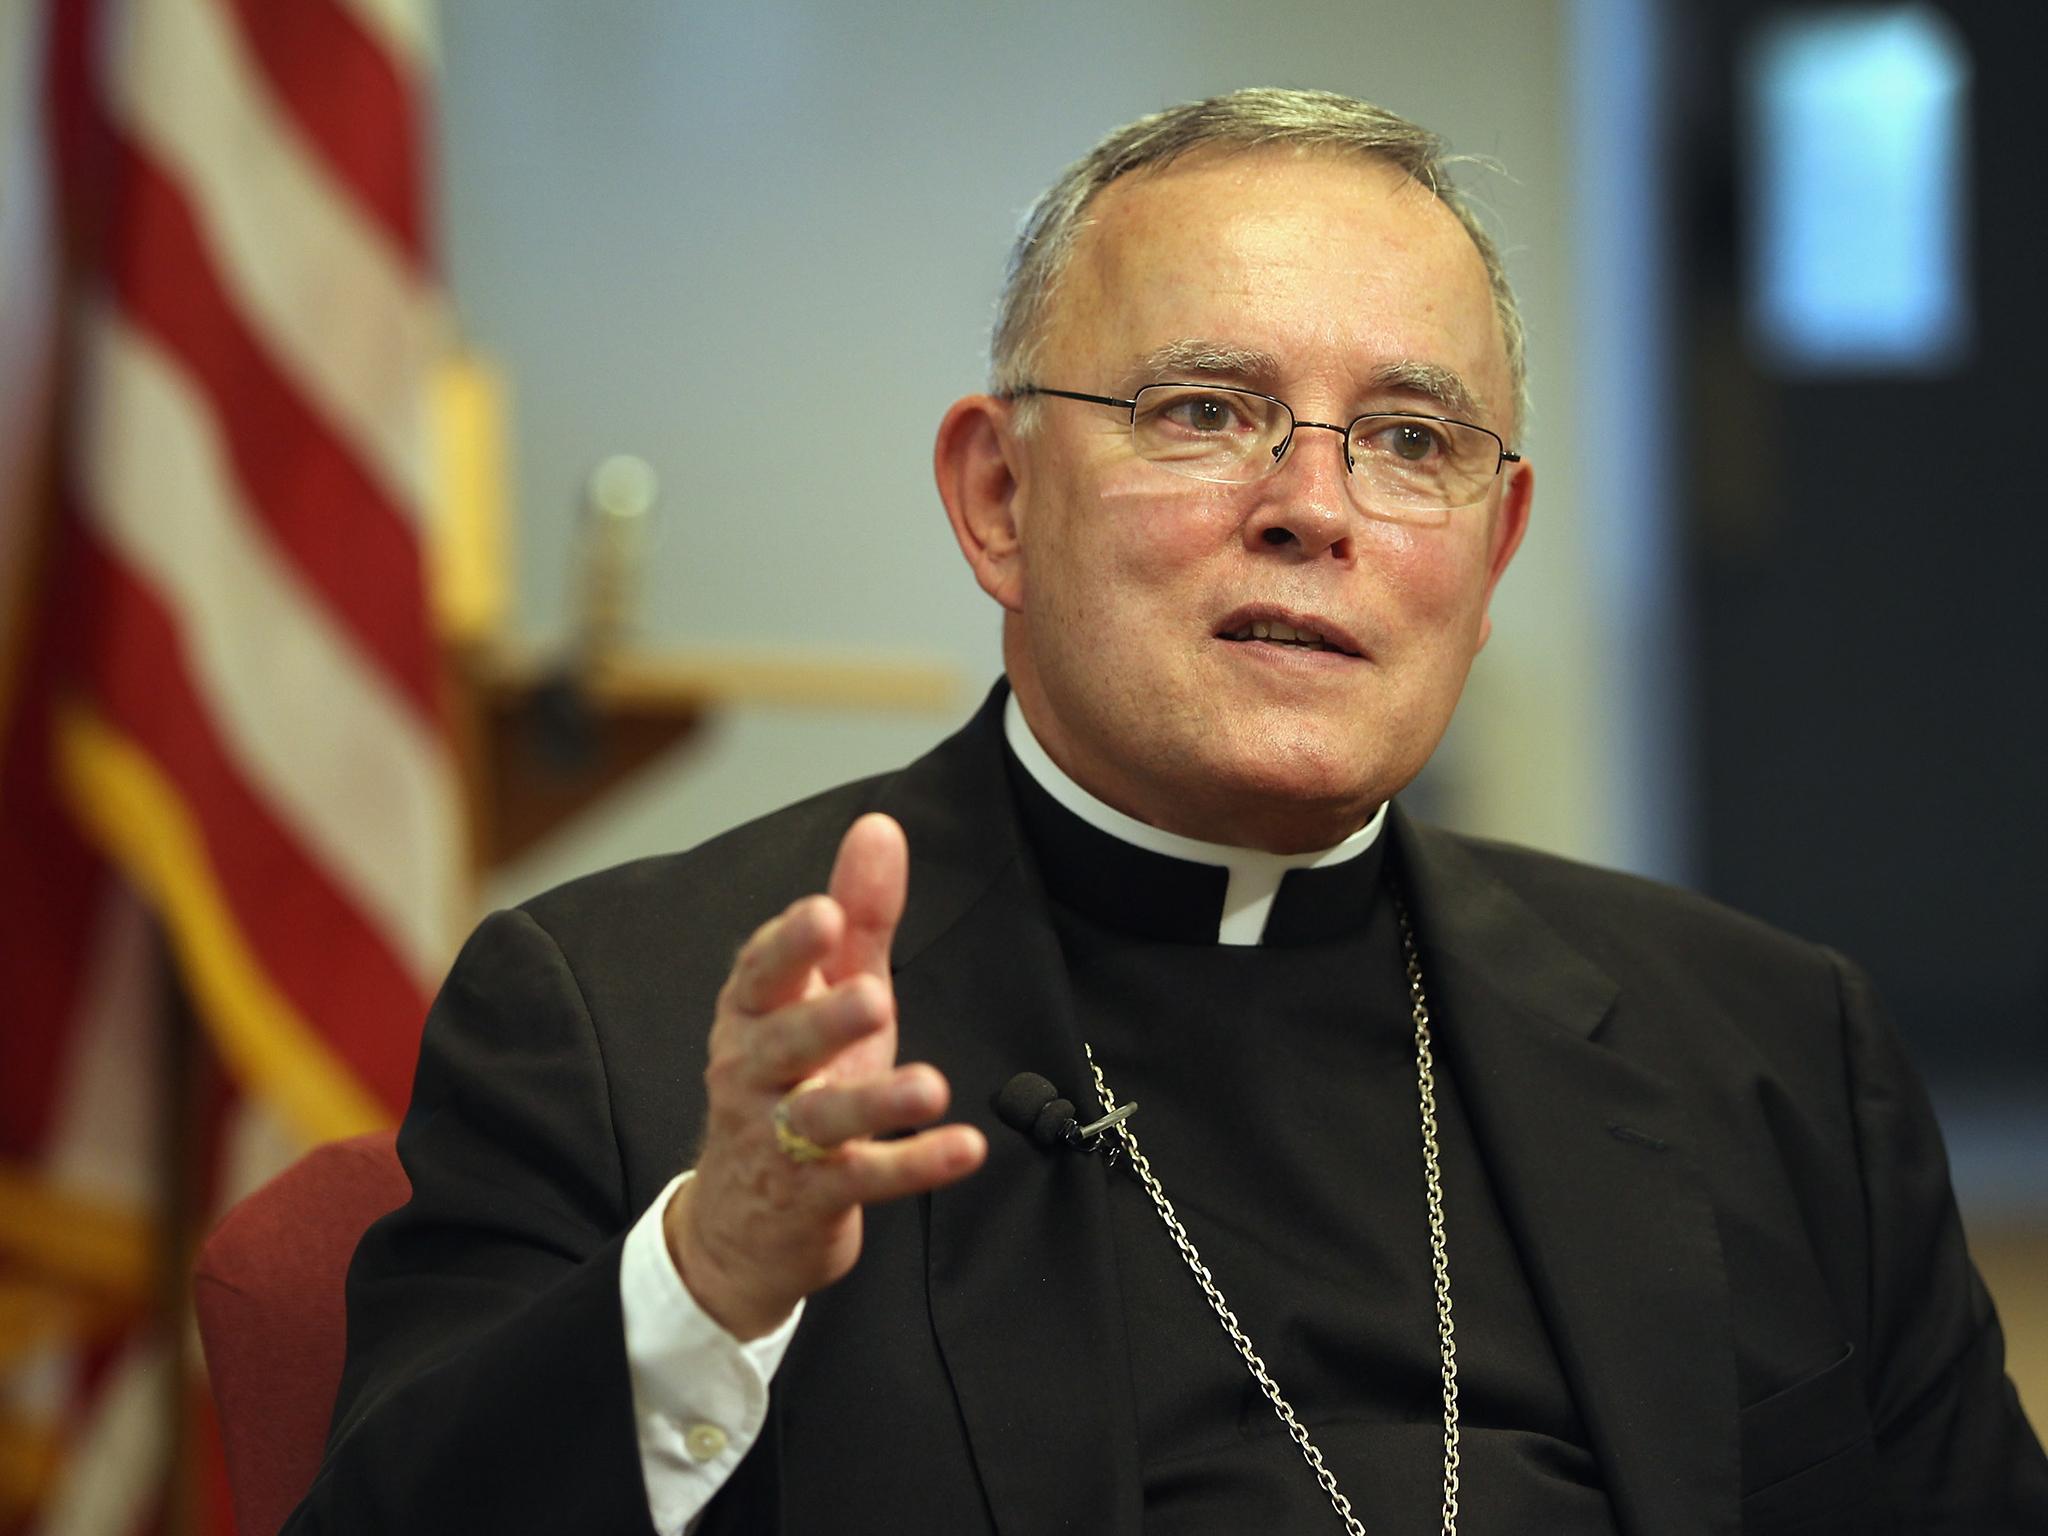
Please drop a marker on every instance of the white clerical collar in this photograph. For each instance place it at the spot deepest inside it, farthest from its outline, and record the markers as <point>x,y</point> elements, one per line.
<point>1255,875</point>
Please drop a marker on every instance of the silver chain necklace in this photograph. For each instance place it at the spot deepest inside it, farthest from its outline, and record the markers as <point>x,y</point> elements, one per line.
<point>1425,1084</point>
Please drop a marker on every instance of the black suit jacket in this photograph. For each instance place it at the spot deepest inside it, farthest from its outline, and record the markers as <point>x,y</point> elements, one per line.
<point>1723,1176</point>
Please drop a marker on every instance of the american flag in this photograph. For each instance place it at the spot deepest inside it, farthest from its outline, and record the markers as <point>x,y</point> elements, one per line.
<point>222,737</point>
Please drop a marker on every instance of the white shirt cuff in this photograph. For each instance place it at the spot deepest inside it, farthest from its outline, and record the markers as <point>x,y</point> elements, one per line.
<point>700,1396</point>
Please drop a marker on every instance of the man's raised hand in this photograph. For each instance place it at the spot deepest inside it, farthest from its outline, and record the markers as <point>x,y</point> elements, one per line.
<point>810,997</point>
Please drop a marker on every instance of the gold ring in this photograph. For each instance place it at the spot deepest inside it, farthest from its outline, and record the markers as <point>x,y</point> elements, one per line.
<point>795,1145</point>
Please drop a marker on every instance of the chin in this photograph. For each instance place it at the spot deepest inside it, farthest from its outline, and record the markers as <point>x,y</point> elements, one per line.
<point>1309,784</point>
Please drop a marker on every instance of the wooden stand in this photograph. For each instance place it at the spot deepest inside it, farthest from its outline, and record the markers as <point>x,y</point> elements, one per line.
<point>539,744</point>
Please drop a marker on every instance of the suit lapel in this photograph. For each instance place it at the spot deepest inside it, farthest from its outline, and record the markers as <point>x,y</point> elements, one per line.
<point>1020,1262</point>
<point>1589,1153</point>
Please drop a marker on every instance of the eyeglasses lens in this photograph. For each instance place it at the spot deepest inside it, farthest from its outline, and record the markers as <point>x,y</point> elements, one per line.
<point>1233,435</point>
<point>1208,434</point>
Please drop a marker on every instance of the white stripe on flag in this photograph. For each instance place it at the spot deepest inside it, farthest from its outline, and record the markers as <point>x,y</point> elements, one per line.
<point>314,724</point>
<point>318,280</point>
<point>256,1146</point>
<point>115,1471</point>
<point>405,27</point>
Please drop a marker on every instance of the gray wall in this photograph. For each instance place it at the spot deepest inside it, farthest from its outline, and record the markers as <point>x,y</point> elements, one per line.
<point>758,245</point>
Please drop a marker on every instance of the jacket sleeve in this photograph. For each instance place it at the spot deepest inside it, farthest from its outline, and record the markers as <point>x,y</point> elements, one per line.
<point>1952,1441</point>
<point>486,1384</point>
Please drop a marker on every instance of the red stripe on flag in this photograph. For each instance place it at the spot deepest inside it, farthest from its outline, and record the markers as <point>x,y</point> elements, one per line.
<point>317,946</point>
<point>75,120</point>
<point>339,531</point>
<point>50,889</point>
<point>351,101</point>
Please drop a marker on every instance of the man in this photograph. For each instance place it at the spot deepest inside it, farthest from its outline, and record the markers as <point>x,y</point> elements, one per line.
<point>1470,1189</point>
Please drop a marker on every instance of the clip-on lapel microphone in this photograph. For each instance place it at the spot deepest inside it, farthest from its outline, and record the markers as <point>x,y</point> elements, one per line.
<point>1029,1103</point>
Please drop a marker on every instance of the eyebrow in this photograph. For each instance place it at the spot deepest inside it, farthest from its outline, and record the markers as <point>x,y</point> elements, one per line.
<point>1434,382</point>
<point>1194,355</point>
<point>1443,387</point>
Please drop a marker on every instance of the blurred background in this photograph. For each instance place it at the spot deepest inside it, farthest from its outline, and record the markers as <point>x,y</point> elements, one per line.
<point>445,454</point>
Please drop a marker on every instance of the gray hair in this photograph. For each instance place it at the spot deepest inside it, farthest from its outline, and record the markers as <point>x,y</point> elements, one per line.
<point>1242,120</point>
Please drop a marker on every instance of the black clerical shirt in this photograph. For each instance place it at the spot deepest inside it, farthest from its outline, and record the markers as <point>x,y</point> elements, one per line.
<point>1279,1110</point>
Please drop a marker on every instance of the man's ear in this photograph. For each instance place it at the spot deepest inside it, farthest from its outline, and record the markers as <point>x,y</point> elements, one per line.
<point>976,462</point>
<point>1510,522</point>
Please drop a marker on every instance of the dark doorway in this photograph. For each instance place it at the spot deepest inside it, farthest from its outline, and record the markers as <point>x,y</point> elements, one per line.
<point>1866,552</point>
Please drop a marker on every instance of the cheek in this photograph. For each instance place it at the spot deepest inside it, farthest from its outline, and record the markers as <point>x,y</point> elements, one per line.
<point>1144,531</point>
<point>1435,574</point>
<point>1147,487</point>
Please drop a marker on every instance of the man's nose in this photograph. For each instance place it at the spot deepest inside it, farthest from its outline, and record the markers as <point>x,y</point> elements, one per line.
<point>1305,504</point>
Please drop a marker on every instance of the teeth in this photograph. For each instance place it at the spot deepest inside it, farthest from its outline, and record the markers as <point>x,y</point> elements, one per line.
<point>1286,634</point>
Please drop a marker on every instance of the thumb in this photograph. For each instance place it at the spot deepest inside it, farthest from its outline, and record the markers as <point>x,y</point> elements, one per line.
<point>870,880</point>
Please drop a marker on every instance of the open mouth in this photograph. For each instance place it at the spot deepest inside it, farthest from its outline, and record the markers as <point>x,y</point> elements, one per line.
<point>1274,632</point>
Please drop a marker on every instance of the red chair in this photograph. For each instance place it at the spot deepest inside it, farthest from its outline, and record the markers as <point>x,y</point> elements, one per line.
<point>268,1288</point>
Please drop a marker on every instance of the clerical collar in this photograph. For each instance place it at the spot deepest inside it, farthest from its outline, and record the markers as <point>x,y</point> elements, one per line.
<point>1161,885</point>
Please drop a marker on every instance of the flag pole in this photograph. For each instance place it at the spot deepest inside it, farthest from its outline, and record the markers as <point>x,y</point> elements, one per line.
<point>182,1182</point>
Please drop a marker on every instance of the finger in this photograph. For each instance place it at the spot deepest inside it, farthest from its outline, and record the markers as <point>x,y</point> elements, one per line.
<point>775,964</point>
<point>796,1041</point>
<point>870,879</point>
<point>908,1097</point>
<point>870,1172</point>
